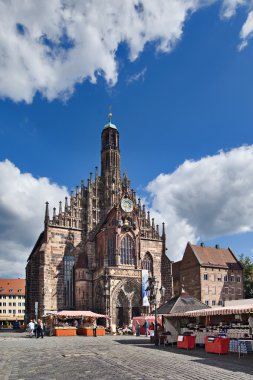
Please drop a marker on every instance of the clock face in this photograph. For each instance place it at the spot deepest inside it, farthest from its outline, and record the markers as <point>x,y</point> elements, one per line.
<point>126,205</point>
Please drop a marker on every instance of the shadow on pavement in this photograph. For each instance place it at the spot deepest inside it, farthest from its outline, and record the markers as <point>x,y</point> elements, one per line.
<point>230,362</point>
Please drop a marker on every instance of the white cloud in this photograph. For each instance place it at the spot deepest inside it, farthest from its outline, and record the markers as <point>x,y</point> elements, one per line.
<point>22,201</point>
<point>229,9</point>
<point>51,45</point>
<point>138,76</point>
<point>205,199</point>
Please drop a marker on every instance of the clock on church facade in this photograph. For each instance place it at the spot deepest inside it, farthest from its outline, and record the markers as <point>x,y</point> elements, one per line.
<point>92,251</point>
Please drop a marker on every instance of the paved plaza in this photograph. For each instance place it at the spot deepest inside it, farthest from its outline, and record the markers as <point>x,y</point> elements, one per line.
<point>112,357</point>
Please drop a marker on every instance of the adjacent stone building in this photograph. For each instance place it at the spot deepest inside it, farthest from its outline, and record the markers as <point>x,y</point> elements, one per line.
<point>12,301</point>
<point>211,274</point>
<point>91,253</point>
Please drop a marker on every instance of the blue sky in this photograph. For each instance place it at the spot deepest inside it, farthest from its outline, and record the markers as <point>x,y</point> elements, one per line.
<point>181,99</point>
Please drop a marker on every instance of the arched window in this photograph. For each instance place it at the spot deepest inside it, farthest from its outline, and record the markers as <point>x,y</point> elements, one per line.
<point>148,262</point>
<point>69,261</point>
<point>127,251</point>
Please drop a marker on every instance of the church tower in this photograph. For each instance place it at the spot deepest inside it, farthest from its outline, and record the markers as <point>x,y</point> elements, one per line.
<point>110,167</point>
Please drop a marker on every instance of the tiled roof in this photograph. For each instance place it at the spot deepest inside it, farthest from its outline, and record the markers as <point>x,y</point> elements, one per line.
<point>12,286</point>
<point>181,304</point>
<point>215,257</point>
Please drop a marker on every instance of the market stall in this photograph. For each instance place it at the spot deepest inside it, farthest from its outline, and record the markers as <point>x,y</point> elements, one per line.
<point>231,322</point>
<point>75,322</point>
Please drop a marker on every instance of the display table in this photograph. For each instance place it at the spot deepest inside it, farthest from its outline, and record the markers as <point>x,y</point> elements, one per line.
<point>186,341</point>
<point>88,331</point>
<point>65,331</point>
<point>217,345</point>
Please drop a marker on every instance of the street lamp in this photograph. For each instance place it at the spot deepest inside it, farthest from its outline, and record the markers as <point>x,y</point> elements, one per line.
<point>152,294</point>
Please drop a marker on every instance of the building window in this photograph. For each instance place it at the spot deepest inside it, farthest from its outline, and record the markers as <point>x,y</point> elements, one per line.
<point>148,263</point>
<point>239,291</point>
<point>69,261</point>
<point>14,304</point>
<point>19,290</point>
<point>232,278</point>
<point>213,290</point>
<point>19,311</point>
<point>226,290</point>
<point>0,303</point>
<point>10,311</point>
<point>220,303</point>
<point>111,252</point>
<point>226,278</point>
<point>19,304</point>
<point>23,304</point>
<point>206,290</point>
<point>219,278</point>
<point>19,297</point>
<point>13,297</point>
<point>4,311</point>
<point>11,290</point>
<point>232,291</point>
<point>207,303</point>
<point>4,303</point>
<point>238,278</point>
<point>213,303</point>
<point>127,251</point>
<point>205,276</point>
<point>10,304</point>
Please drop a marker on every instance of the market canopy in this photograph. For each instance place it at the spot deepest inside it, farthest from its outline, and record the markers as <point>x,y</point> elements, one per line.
<point>79,314</point>
<point>181,304</point>
<point>227,310</point>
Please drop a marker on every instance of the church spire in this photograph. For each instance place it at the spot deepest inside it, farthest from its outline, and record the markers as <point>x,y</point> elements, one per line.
<point>110,164</point>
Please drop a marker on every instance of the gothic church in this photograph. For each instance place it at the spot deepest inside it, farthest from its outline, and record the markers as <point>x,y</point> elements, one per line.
<point>91,253</point>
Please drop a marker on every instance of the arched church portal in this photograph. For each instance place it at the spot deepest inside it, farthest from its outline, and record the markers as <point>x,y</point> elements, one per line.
<point>126,302</point>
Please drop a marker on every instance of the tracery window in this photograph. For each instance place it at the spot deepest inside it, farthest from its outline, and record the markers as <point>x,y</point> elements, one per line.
<point>127,251</point>
<point>69,261</point>
<point>148,262</point>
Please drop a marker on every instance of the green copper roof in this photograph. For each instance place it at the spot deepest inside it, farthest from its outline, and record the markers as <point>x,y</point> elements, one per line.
<point>110,125</point>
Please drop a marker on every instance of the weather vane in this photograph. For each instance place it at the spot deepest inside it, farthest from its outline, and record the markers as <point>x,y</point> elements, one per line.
<point>110,114</point>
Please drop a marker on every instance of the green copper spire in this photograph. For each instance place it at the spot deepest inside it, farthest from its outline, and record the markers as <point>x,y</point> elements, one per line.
<point>110,125</point>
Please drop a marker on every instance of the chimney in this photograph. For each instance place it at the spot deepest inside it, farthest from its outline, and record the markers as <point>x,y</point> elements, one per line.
<point>202,244</point>
<point>217,246</point>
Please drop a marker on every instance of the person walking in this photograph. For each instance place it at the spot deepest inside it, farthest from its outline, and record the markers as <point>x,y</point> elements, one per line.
<point>137,328</point>
<point>146,327</point>
<point>31,328</point>
<point>40,329</point>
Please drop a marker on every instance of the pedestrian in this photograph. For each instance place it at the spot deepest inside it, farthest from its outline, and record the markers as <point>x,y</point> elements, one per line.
<point>31,328</point>
<point>137,327</point>
<point>40,329</point>
<point>35,328</point>
<point>146,327</point>
<point>95,328</point>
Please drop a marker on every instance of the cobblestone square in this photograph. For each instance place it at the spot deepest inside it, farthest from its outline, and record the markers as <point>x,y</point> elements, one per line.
<point>112,357</point>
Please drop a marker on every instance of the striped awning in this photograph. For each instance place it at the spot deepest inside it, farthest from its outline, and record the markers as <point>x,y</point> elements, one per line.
<point>78,314</point>
<point>228,310</point>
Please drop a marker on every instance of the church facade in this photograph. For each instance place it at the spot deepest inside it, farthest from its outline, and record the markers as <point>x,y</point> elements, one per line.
<point>94,249</point>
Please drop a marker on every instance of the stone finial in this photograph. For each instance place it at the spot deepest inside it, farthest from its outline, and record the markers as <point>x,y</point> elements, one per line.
<point>54,215</point>
<point>47,213</point>
<point>163,231</point>
<point>60,208</point>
